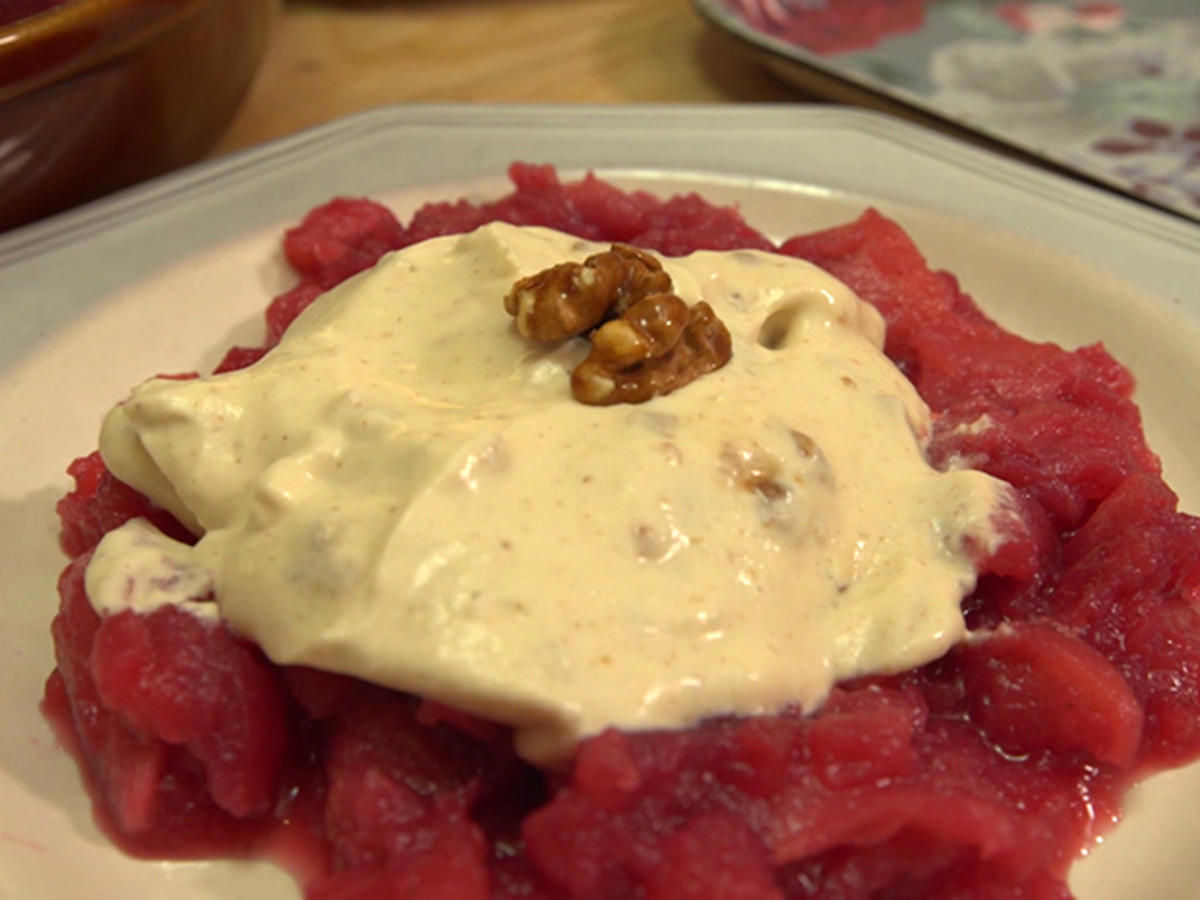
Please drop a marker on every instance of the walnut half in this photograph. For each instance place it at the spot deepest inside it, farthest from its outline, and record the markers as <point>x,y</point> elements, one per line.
<point>650,342</point>
<point>606,377</point>
<point>571,298</point>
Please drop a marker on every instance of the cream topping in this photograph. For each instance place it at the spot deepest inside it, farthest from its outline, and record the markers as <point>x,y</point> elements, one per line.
<point>138,567</point>
<point>405,491</point>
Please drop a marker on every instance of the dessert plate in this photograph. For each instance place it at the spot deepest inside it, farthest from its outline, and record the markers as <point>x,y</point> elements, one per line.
<point>164,277</point>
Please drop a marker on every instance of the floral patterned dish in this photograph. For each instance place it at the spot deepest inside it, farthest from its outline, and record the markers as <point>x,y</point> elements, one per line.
<point>1108,89</point>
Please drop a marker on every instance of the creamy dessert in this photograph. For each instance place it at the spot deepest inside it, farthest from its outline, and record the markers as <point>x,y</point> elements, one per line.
<point>404,490</point>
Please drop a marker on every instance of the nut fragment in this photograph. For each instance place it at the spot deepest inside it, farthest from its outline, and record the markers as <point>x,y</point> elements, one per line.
<point>570,298</point>
<point>753,469</point>
<point>652,342</point>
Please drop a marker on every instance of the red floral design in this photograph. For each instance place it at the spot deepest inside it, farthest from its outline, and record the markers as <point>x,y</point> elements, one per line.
<point>1156,158</point>
<point>829,27</point>
<point>1032,17</point>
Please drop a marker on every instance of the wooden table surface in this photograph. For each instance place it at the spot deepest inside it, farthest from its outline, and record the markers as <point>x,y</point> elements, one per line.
<point>329,59</point>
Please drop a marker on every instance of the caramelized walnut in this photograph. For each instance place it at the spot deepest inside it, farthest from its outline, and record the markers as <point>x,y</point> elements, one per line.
<point>570,298</point>
<point>649,328</point>
<point>652,342</point>
<point>601,379</point>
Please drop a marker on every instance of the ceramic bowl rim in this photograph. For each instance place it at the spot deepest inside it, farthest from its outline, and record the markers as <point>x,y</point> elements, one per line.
<point>105,29</point>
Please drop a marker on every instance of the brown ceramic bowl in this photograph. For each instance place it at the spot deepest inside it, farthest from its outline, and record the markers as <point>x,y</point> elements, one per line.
<point>98,94</point>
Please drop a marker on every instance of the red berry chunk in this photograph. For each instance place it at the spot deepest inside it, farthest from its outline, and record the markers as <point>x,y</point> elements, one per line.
<point>200,788</point>
<point>100,503</point>
<point>341,238</point>
<point>191,683</point>
<point>1034,687</point>
<point>284,308</point>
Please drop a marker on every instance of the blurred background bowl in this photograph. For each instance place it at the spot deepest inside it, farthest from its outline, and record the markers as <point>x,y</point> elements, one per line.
<point>98,94</point>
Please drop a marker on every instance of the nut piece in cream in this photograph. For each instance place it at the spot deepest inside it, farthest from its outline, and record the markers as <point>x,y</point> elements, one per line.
<point>404,490</point>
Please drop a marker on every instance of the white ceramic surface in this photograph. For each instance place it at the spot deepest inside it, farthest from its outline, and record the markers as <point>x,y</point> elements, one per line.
<point>163,278</point>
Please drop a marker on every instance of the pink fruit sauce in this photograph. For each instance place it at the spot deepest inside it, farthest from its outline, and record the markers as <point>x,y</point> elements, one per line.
<point>982,774</point>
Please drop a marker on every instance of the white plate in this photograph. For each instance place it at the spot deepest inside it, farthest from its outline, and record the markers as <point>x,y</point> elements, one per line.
<point>164,277</point>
